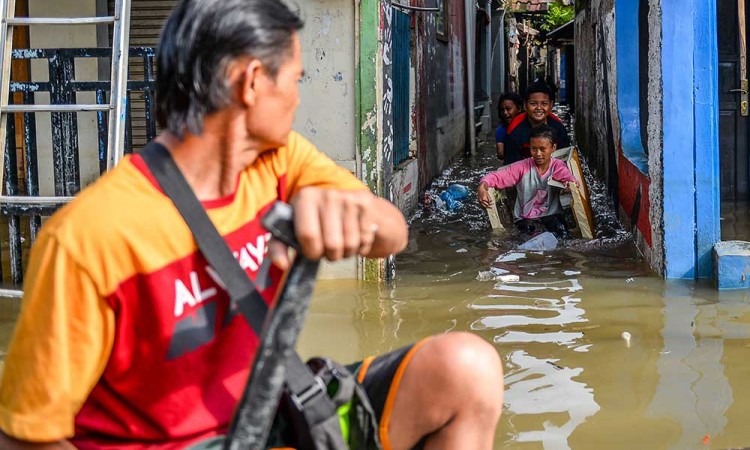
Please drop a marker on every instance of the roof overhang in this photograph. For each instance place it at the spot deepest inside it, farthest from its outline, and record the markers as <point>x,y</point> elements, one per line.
<point>562,34</point>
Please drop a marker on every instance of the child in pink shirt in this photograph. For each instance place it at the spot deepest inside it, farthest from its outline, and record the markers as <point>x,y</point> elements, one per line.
<point>537,207</point>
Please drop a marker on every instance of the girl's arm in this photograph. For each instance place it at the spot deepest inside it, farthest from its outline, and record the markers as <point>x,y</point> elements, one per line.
<point>562,174</point>
<point>507,176</point>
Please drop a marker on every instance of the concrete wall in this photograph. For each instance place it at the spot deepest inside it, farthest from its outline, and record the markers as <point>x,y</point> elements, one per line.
<point>327,109</point>
<point>86,70</point>
<point>326,115</point>
<point>622,148</point>
<point>597,125</point>
<point>653,134</point>
<point>441,103</point>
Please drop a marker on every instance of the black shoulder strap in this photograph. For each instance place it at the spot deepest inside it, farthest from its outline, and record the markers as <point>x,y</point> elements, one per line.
<point>252,421</point>
<point>210,243</point>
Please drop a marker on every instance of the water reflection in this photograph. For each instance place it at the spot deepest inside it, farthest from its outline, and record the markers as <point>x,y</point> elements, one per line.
<point>543,388</point>
<point>571,380</point>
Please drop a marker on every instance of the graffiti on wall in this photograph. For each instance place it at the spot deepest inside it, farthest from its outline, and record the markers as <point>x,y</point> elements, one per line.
<point>387,97</point>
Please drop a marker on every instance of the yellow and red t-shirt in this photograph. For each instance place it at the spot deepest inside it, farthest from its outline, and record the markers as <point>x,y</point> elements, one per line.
<point>124,338</point>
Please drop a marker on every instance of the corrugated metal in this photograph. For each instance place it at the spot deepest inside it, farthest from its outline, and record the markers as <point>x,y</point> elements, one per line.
<point>401,44</point>
<point>146,20</point>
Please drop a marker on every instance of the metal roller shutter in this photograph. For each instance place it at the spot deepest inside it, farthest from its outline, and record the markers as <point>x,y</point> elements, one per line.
<point>147,18</point>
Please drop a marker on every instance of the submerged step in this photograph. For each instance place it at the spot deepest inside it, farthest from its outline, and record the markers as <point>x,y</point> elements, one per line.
<point>732,264</point>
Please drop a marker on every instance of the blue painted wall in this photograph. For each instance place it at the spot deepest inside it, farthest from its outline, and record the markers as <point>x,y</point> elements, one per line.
<point>690,124</point>
<point>628,83</point>
<point>679,140</point>
<point>706,90</point>
<point>689,188</point>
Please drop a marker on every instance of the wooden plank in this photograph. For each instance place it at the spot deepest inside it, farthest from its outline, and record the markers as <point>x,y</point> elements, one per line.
<point>580,198</point>
<point>582,208</point>
<point>582,213</point>
<point>493,214</point>
<point>500,214</point>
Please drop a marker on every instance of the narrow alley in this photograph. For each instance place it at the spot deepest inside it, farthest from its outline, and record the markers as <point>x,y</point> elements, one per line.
<point>635,339</point>
<point>572,379</point>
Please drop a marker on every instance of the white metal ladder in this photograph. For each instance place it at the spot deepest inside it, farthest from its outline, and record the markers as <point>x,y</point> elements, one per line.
<point>117,100</point>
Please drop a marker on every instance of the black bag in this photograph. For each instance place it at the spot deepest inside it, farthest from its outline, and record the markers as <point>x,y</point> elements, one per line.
<point>359,427</point>
<point>314,393</point>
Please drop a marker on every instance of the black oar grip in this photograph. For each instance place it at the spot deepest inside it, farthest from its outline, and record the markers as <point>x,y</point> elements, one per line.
<point>279,221</point>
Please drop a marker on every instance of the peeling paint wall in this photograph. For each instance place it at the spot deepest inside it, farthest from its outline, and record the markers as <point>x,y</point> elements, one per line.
<point>326,114</point>
<point>385,108</point>
<point>597,125</point>
<point>623,147</point>
<point>327,111</point>
<point>404,186</point>
<point>441,102</point>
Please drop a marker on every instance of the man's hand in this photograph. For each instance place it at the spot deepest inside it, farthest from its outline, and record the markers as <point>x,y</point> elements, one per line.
<point>483,195</point>
<point>337,224</point>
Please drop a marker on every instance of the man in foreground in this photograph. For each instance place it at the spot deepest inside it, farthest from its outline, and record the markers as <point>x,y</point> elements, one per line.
<point>125,339</point>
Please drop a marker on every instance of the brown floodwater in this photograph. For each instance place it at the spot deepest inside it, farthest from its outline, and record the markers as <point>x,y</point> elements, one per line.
<point>571,379</point>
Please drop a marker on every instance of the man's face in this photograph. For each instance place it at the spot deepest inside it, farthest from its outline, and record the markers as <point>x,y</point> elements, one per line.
<point>270,119</point>
<point>538,107</point>
<point>541,149</point>
<point>509,111</point>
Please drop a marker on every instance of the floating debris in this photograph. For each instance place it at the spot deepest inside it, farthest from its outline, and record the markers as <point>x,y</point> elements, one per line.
<point>508,278</point>
<point>510,257</point>
<point>544,241</point>
<point>492,276</point>
<point>626,336</point>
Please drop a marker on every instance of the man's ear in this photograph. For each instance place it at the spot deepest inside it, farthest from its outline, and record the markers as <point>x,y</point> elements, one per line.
<point>249,84</point>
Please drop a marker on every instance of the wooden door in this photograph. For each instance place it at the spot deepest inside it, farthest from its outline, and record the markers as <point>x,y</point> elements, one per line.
<point>733,121</point>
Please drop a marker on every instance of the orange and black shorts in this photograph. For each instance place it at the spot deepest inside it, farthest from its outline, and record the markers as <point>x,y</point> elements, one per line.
<point>381,377</point>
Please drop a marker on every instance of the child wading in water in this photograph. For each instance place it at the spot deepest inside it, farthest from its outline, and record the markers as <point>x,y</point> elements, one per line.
<point>537,207</point>
<point>509,105</point>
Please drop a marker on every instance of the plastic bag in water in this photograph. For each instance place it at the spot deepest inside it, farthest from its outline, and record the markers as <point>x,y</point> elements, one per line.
<point>458,191</point>
<point>453,195</point>
<point>544,241</point>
